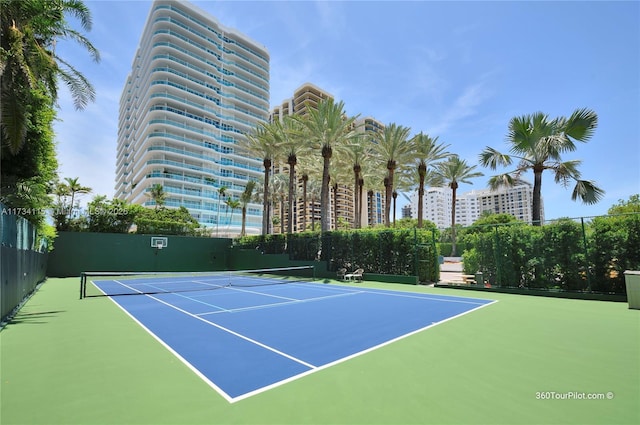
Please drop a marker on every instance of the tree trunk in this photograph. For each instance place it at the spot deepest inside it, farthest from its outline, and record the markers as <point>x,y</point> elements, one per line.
<point>305,179</point>
<point>292,161</point>
<point>454,187</point>
<point>356,198</point>
<point>265,204</point>
<point>387,201</point>
<point>422,170</point>
<point>243,230</point>
<point>361,196</point>
<point>325,211</point>
<point>537,201</point>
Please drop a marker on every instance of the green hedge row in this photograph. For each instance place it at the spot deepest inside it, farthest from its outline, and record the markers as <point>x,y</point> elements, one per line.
<point>406,252</point>
<point>565,255</point>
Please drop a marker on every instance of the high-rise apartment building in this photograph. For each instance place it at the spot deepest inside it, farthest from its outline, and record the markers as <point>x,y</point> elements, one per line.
<point>196,88</point>
<point>516,200</point>
<point>342,200</point>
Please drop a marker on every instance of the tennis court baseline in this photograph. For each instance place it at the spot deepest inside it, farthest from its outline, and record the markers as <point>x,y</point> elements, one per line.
<point>253,335</point>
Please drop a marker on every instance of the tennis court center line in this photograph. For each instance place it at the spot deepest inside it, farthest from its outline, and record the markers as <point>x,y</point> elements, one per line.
<point>293,301</point>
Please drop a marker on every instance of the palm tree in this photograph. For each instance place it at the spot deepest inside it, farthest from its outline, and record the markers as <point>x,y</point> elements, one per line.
<point>29,31</point>
<point>314,187</point>
<point>245,198</point>
<point>327,127</point>
<point>279,194</point>
<point>294,142</point>
<point>426,151</point>
<point>308,169</point>
<point>158,195</point>
<point>393,148</point>
<point>75,188</point>
<point>452,172</point>
<point>222,191</point>
<point>232,204</point>
<point>538,143</point>
<point>263,144</point>
<point>358,151</point>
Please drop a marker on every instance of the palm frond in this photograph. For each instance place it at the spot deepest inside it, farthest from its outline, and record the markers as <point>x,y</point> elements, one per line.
<point>581,124</point>
<point>493,159</point>
<point>587,192</point>
<point>501,180</point>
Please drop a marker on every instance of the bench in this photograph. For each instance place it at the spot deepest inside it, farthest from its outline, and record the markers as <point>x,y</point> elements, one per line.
<point>468,279</point>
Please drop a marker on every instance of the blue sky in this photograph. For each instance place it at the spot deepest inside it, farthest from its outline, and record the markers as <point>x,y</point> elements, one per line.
<point>456,70</point>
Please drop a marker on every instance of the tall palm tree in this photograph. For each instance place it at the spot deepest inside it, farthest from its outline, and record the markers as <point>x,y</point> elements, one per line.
<point>393,148</point>
<point>75,188</point>
<point>158,195</point>
<point>294,143</point>
<point>314,187</point>
<point>538,143</point>
<point>262,143</point>
<point>29,31</point>
<point>358,151</point>
<point>279,195</point>
<point>338,174</point>
<point>328,127</point>
<point>309,167</point>
<point>426,151</point>
<point>245,198</point>
<point>452,172</point>
<point>222,192</point>
<point>232,204</point>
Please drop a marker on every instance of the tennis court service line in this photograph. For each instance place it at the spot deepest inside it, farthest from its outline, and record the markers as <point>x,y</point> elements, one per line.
<point>239,335</point>
<point>293,301</point>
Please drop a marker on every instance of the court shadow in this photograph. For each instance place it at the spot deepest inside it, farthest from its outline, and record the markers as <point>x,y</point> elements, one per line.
<point>34,318</point>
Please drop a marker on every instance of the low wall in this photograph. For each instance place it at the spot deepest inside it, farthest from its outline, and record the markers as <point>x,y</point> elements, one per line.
<point>76,252</point>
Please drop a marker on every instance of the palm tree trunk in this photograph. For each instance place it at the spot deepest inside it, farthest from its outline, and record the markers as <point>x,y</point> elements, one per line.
<point>292,161</point>
<point>537,200</point>
<point>335,206</point>
<point>454,186</point>
<point>421,171</point>
<point>371,209</point>
<point>243,230</point>
<point>265,206</point>
<point>325,211</point>
<point>305,179</point>
<point>361,197</point>
<point>356,176</point>
<point>282,215</point>
<point>395,196</point>
<point>387,201</point>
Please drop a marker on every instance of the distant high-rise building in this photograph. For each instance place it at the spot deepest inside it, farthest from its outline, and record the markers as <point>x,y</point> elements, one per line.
<point>406,211</point>
<point>516,200</point>
<point>308,96</point>
<point>196,88</point>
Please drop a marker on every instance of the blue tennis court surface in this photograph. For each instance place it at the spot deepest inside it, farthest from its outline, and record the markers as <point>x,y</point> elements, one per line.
<point>242,341</point>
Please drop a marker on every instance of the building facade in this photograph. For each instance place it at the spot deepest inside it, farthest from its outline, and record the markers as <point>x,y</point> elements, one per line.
<point>342,200</point>
<point>516,200</point>
<point>195,89</point>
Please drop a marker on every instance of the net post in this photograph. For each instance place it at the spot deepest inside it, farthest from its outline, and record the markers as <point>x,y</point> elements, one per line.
<point>82,284</point>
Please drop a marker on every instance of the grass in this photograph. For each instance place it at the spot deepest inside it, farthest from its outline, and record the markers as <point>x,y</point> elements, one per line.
<point>71,361</point>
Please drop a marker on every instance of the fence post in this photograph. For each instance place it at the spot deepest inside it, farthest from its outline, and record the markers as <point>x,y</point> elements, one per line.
<point>586,255</point>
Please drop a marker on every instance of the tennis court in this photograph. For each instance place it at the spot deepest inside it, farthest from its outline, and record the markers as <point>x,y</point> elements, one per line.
<point>85,361</point>
<point>246,332</point>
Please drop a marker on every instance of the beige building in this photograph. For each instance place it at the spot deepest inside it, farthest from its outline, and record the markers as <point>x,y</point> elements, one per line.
<point>342,203</point>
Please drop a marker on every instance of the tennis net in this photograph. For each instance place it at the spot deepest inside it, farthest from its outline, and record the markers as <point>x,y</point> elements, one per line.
<point>94,284</point>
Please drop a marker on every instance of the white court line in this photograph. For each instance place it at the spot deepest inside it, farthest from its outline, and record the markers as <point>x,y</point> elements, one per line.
<point>239,335</point>
<point>360,353</point>
<point>312,368</point>
<point>263,306</point>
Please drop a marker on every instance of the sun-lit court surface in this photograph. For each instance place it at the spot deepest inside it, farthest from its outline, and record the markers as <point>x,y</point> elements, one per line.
<point>244,333</point>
